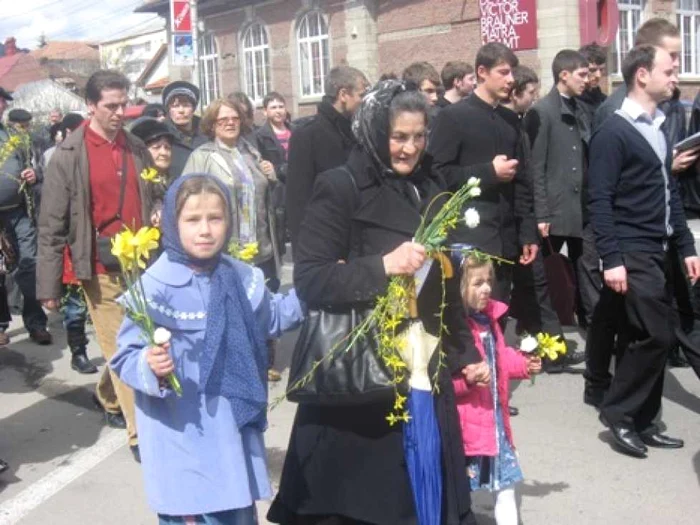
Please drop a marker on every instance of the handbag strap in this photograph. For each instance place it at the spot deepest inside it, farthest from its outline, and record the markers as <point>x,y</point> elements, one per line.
<point>122,192</point>
<point>354,238</point>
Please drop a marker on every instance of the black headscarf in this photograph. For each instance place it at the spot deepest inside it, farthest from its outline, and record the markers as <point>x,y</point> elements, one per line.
<point>372,128</point>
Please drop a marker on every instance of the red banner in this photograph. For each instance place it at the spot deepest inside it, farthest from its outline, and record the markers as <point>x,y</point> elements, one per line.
<point>181,16</point>
<point>511,22</point>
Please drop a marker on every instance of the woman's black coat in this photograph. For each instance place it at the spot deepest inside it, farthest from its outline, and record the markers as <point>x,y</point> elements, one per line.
<point>348,461</point>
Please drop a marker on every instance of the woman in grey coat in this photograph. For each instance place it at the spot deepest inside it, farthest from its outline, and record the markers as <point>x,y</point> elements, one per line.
<point>250,179</point>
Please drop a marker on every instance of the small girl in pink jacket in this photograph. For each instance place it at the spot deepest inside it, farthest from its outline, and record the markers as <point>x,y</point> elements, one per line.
<point>483,410</point>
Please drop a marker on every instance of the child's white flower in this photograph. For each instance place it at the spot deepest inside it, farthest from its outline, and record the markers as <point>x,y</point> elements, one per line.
<point>475,191</point>
<point>471,217</point>
<point>161,336</point>
<point>473,182</point>
<point>528,344</point>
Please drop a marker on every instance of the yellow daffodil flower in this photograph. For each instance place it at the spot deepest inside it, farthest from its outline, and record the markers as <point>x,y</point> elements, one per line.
<point>123,249</point>
<point>151,175</point>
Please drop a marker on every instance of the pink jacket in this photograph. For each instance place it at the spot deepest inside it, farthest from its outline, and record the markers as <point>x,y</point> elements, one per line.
<point>475,404</point>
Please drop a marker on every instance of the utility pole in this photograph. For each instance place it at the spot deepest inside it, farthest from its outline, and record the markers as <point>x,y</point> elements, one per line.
<point>195,42</point>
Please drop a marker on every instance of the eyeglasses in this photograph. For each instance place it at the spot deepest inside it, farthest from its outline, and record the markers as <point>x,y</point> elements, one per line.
<point>225,120</point>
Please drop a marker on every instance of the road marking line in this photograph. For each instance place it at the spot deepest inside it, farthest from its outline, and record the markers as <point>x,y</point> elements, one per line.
<point>13,510</point>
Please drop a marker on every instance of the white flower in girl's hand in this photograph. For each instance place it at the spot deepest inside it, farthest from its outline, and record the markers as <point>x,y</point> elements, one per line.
<point>475,192</point>
<point>161,336</point>
<point>471,217</point>
<point>473,182</point>
<point>529,344</point>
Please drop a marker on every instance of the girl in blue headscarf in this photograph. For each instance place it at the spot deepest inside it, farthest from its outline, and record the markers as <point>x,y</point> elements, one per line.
<point>203,454</point>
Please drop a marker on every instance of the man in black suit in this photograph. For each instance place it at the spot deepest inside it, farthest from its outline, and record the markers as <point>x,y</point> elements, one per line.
<point>477,138</point>
<point>323,142</point>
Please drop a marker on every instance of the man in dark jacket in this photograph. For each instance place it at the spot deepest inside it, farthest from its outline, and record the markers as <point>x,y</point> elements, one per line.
<point>458,81</point>
<point>95,188</point>
<point>487,148</point>
<point>559,131</point>
<point>180,99</point>
<point>636,214</point>
<point>323,142</point>
<point>592,97</point>
<point>657,32</point>
<point>18,221</point>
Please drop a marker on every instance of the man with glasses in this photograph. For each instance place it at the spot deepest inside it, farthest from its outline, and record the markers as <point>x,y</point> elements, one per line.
<point>180,99</point>
<point>95,188</point>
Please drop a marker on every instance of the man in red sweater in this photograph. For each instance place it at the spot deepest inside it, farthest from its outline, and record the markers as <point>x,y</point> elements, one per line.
<point>95,190</point>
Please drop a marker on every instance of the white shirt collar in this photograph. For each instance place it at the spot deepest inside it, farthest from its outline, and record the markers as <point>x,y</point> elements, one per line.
<point>636,112</point>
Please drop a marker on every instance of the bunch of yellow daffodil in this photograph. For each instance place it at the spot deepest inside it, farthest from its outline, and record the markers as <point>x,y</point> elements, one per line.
<point>245,252</point>
<point>132,250</point>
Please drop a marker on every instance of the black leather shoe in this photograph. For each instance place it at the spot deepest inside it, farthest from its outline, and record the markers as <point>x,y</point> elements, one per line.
<point>573,358</point>
<point>593,397</point>
<point>3,466</point>
<point>81,364</point>
<point>111,419</point>
<point>115,420</point>
<point>626,438</point>
<point>41,336</point>
<point>136,453</point>
<point>676,359</point>
<point>658,440</point>
<point>513,411</point>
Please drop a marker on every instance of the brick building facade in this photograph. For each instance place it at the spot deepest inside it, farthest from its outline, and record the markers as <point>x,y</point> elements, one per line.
<point>288,45</point>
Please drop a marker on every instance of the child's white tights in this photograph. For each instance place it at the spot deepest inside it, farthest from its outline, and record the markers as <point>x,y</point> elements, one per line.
<point>506,508</point>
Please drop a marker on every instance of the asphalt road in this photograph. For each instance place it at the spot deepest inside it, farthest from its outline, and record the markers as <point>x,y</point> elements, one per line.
<point>67,468</point>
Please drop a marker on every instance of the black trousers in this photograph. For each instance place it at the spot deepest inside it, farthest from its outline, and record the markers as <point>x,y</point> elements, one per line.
<point>530,302</point>
<point>590,280</point>
<point>634,396</point>
<point>686,298</point>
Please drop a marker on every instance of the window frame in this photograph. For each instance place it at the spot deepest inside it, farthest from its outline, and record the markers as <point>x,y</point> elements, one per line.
<point>265,51</point>
<point>693,17</point>
<point>209,75</point>
<point>305,48</point>
<point>627,9</point>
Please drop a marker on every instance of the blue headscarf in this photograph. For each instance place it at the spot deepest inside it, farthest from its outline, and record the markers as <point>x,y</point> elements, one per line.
<point>234,361</point>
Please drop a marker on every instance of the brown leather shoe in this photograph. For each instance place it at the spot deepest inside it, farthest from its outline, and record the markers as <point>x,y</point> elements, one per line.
<point>41,336</point>
<point>4,339</point>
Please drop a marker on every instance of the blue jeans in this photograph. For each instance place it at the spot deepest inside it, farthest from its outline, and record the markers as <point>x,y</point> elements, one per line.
<point>22,232</point>
<point>247,516</point>
<point>74,308</point>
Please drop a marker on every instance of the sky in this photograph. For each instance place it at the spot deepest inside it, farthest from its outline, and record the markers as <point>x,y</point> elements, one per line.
<point>95,20</point>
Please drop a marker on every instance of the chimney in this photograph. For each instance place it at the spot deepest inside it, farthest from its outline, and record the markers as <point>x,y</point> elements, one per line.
<point>10,46</point>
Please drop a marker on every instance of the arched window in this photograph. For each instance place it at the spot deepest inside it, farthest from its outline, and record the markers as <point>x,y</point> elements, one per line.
<point>314,59</point>
<point>688,12</point>
<point>256,62</point>
<point>630,20</point>
<point>208,70</point>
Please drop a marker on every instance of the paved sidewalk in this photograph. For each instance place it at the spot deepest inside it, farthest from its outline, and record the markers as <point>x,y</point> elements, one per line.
<point>66,468</point>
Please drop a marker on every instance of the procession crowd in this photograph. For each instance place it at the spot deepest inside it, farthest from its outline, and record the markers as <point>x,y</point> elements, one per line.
<point>610,178</point>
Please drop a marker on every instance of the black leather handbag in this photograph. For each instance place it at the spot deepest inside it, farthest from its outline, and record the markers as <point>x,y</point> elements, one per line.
<point>353,375</point>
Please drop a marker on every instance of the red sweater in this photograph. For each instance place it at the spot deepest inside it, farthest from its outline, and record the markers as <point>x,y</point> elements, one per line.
<point>105,159</point>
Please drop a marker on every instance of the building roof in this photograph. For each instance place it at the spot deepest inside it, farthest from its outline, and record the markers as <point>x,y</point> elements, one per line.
<point>19,69</point>
<point>155,27</point>
<point>158,84</point>
<point>152,65</point>
<point>67,50</point>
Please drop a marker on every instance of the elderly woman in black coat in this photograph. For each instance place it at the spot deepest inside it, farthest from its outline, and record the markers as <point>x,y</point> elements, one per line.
<point>346,465</point>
